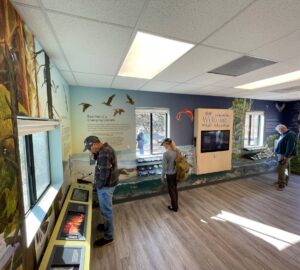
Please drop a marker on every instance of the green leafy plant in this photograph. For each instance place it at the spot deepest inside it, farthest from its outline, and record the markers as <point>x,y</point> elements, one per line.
<point>270,140</point>
<point>295,163</point>
<point>239,106</point>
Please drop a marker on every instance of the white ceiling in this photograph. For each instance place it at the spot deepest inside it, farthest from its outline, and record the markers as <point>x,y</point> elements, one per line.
<point>88,41</point>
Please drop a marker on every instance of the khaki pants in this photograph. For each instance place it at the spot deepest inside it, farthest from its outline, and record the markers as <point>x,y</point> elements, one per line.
<point>284,171</point>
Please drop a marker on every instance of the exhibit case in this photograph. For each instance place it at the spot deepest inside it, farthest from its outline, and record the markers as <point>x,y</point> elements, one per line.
<point>70,242</point>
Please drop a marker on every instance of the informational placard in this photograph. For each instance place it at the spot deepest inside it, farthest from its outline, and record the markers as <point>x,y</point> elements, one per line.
<point>106,114</point>
<point>213,135</point>
<point>216,119</point>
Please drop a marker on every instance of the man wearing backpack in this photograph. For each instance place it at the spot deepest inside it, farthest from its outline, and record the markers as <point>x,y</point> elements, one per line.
<point>169,172</point>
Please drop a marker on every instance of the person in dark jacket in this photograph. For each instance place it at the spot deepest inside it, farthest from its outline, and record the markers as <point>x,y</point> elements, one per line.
<point>285,149</point>
<point>106,179</point>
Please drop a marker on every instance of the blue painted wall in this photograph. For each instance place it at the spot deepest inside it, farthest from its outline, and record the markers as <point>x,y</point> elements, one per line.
<point>182,131</point>
<point>292,115</point>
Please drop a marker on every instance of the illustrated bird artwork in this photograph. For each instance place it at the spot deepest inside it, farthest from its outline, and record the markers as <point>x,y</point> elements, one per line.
<point>280,108</point>
<point>187,112</point>
<point>118,111</point>
<point>109,101</point>
<point>85,106</point>
<point>130,100</point>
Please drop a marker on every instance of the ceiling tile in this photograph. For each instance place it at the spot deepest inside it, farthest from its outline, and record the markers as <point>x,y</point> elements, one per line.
<point>36,21</point>
<point>207,90</point>
<point>189,20</point>
<point>208,78</point>
<point>27,2</point>
<point>93,80</point>
<point>294,61</point>
<point>281,49</point>
<point>128,83</point>
<point>197,61</point>
<point>68,77</point>
<point>125,12</point>
<point>159,86</point>
<point>261,23</point>
<point>183,87</point>
<point>89,46</point>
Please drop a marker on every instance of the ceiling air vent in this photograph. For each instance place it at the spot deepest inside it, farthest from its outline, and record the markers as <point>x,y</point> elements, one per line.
<point>241,66</point>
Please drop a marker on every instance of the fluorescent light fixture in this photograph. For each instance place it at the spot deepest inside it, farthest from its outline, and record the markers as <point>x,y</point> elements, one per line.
<point>288,77</point>
<point>150,54</point>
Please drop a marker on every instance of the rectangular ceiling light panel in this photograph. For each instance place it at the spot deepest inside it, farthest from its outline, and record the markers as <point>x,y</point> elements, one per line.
<point>288,77</point>
<point>150,54</point>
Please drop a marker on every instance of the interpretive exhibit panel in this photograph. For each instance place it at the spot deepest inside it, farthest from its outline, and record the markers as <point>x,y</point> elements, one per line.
<point>73,226</point>
<point>66,258</point>
<point>213,140</point>
<point>71,238</point>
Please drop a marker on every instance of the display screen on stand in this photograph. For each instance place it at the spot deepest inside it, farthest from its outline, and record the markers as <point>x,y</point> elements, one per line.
<point>215,140</point>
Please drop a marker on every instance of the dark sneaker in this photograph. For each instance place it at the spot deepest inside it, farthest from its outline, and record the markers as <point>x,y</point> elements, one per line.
<point>100,227</point>
<point>280,188</point>
<point>102,242</point>
<point>172,209</point>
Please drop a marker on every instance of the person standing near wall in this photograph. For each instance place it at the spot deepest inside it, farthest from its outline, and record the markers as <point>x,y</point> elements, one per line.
<point>169,172</point>
<point>140,141</point>
<point>285,149</point>
<point>106,179</point>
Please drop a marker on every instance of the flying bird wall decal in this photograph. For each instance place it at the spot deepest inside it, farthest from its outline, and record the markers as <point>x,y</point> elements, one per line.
<point>109,101</point>
<point>130,100</point>
<point>280,108</point>
<point>85,106</point>
<point>118,111</point>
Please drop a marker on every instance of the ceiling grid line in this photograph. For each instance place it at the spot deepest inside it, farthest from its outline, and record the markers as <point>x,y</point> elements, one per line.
<point>228,21</point>
<point>56,38</point>
<point>134,30</point>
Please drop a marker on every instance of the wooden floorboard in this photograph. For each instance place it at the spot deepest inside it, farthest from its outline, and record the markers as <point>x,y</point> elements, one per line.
<point>242,224</point>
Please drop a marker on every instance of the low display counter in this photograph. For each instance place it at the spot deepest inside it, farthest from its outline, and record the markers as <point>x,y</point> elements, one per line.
<point>141,187</point>
<point>70,242</point>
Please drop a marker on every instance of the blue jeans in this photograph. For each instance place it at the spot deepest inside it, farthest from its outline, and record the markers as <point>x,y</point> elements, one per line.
<point>105,195</point>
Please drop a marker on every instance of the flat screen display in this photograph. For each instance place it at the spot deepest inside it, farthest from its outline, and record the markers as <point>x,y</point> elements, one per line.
<point>215,140</point>
<point>80,195</point>
<point>66,258</point>
<point>73,226</point>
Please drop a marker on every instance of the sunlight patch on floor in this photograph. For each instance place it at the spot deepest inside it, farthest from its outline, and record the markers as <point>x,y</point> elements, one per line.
<point>278,238</point>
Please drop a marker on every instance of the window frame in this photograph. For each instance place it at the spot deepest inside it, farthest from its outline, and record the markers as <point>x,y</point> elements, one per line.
<point>151,111</point>
<point>30,164</point>
<point>260,131</point>
<point>35,216</point>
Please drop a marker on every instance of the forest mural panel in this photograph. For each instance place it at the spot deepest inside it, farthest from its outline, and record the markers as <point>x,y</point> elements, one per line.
<point>18,96</point>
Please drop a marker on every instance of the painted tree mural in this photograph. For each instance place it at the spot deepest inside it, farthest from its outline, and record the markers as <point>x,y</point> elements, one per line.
<point>239,106</point>
<point>18,96</point>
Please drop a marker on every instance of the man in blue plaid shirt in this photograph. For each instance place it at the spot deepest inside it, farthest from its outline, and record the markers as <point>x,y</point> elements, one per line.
<point>106,179</point>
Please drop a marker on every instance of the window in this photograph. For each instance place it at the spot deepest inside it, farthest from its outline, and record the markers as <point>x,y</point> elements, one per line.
<point>254,129</point>
<point>151,129</point>
<point>35,167</point>
<point>40,152</point>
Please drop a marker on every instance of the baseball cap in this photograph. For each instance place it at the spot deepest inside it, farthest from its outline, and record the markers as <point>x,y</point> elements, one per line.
<point>89,141</point>
<point>166,140</point>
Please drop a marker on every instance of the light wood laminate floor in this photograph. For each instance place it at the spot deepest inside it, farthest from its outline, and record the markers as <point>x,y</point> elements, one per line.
<point>242,224</point>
